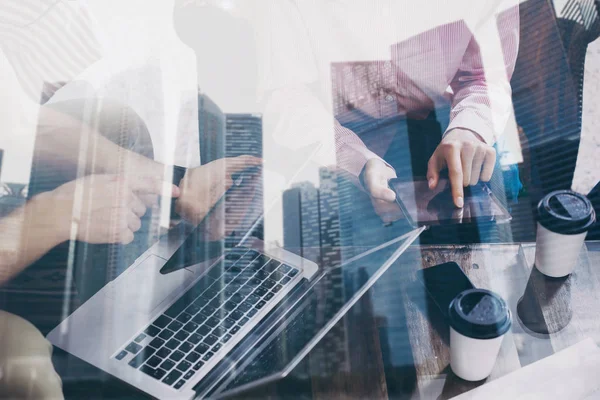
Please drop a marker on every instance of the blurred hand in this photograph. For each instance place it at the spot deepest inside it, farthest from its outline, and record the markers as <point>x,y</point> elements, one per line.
<point>107,207</point>
<point>375,179</point>
<point>468,159</point>
<point>202,187</point>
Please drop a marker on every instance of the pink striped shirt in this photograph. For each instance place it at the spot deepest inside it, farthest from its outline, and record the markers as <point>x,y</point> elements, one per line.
<point>468,61</point>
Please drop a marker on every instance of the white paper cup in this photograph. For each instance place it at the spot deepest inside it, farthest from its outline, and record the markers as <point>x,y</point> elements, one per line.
<point>564,218</point>
<point>479,319</point>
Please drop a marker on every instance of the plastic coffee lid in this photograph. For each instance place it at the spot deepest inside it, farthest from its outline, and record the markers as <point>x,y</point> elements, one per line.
<point>566,212</point>
<point>480,314</point>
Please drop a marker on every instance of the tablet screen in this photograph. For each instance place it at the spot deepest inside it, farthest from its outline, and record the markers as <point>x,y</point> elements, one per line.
<point>426,207</point>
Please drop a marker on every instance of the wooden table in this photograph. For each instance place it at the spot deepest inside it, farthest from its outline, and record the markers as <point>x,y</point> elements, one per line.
<point>503,268</point>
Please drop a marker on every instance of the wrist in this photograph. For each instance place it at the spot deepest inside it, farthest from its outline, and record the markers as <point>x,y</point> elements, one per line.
<point>52,216</point>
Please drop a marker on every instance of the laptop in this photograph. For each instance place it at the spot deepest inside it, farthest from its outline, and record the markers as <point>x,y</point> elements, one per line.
<point>182,306</point>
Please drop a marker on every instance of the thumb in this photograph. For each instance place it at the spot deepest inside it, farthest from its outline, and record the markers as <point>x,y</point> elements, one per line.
<point>434,166</point>
<point>381,191</point>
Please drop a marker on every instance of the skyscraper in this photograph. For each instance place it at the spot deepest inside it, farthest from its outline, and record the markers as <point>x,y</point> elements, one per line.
<point>244,136</point>
<point>312,225</point>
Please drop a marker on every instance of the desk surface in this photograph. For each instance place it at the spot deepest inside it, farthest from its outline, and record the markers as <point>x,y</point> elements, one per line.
<point>392,347</point>
<point>377,367</point>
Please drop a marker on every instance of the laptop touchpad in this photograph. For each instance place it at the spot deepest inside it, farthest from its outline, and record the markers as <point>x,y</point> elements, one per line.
<point>144,287</point>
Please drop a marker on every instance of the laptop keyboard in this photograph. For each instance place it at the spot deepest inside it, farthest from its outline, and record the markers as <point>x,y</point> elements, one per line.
<point>210,314</point>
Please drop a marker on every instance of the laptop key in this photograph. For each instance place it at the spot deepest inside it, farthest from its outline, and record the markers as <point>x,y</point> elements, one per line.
<point>284,268</point>
<point>243,321</point>
<point>260,304</point>
<point>162,321</point>
<point>193,309</point>
<point>140,337</point>
<point>210,292</point>
<point>260,292</point>
<point>172,377</point>
<point>183,366</point>
<point>179,384</point>
<point>193,357</point>
<point>293,272</point>
<point>156,343</point>
<point>271,266</point>
<point>186,347</point>
<point>255,282</point>
<point>210,340</point>
<point>175,326</point>
<point>216,347</point>
<point>244,307</point>
<point>163,352</point>
<point>198,365</point>
<point>199,318</point>
<point>276,276</point>
<point>167,365</point>
<point>208,310</point>
<point>285,280</point>
<point>194,338</point>
<point>252,312</point>
<point>155,373</point>
<point>152,331</point>
<point>142,357</point>
<point>237,298</point>
<point>212,322</point>
<point>177,307</point>
<point>253,299</point>
<point>172,344</point>
<point>184,317</point>
<point>269,296</point>
<point>234,330</point>
<point>154,361</point>
<point>201,348</point>
<point>177,356</point>
<point>190,327</point>
<point>277,288</point>
<point>133,348</point>
<point>228,323</point>
<point>219,331</point>
<point>181,335</point>
<point>269,283</point>
<point>207,356</point>
<point>230,305</point>
<point>226,338</point>
<point>189,374</point>
<point>203,330</point>
<point>236,315</point>
<point>262,274</point>
<point>121,355</point>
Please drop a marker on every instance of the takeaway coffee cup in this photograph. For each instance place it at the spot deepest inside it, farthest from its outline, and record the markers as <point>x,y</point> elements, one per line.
<point>564,218</point>
<point>478,321</point>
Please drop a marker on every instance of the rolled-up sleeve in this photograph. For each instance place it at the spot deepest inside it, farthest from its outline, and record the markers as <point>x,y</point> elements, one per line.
<point>482,100</point>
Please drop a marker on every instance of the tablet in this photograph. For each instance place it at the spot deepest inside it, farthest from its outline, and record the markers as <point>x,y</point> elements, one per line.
<point>425,207</point>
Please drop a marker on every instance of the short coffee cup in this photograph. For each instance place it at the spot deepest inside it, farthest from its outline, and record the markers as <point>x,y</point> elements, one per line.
<point>479,319</point>
<point>564,218</point>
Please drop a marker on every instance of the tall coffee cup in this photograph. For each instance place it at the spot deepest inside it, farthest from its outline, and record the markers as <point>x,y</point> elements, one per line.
<point>564,218</point>
<point>478,321</point>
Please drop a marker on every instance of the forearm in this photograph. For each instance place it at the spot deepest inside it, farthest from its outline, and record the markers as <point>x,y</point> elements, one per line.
<point>28,233</point>
<point>65,140</point>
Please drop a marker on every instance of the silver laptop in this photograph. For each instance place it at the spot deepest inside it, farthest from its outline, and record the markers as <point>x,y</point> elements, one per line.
<point>181,307</point>
<point>162,333</point>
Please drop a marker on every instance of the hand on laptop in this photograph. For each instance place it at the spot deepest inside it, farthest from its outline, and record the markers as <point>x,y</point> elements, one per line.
<point>375,180</point>
<point>468,159</point>
<point>202,187</point>
<point>107,208</point>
